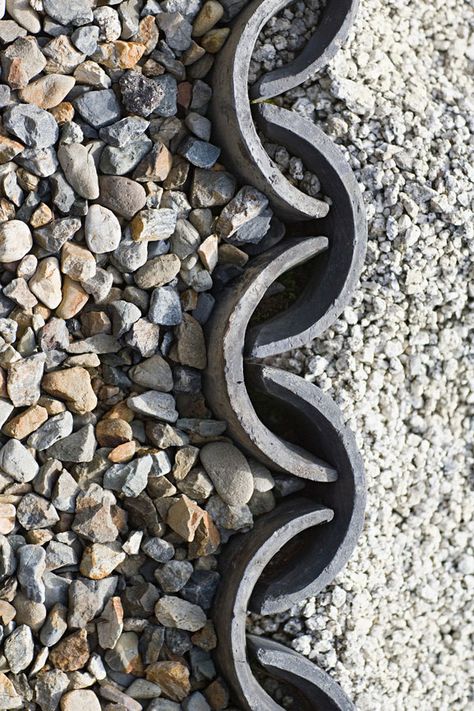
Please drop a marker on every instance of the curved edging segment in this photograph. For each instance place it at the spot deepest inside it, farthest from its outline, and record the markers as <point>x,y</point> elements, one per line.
<point>224,379</point>
<point>233,124</point>
<point>332,31</point>
<point>322,692</point>
<point>325,555</point>
<point>242,563</point>
<point>335,277</point>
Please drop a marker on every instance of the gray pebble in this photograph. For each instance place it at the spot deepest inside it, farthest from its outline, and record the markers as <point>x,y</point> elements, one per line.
<point>131,479</point>
<point>65,492</point>
<point>18,462</point>
<point>167,104</point>
<point>253,231</point>
<point>19,649</point>
<point>87,599</point>
<point>196,702</point>
<point>36,512</point>
<point>31,566</point>
<point>199,153</point>
<point>176,28</point>
<point>123,159</point>
<point>31,125</point>
<point>79,168</point>
<point>99,107</point>
<point>52,237</point>
<point>124,315</point>
<point>59,555</point>
<point>174,575</point>
<point>154,404</point>
<point>229,471</point>
<point>165,307</point>
<point>102,230</point>
<point>49,688</point>
<point>77,447</point>
<point>85,39</point>
<point>125,131</point>
<point>153,373</point>
<point>42,162</point>
<point>99,285</point>
<point>130,255</point>
<point>212,188</point>
<point>158,549</point>
<point>77,12</point>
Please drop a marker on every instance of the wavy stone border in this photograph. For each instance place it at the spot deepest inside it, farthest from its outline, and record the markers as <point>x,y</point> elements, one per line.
<point>297,549</point>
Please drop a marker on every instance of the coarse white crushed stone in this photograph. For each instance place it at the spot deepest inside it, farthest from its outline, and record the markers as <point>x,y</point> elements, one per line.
<point>396,628</point>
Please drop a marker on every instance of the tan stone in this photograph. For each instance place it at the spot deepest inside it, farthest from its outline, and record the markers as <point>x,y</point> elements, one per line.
<point>39,536</point>
<point>9,149</point>
<point>205,638</point>
<point>52,406</point>
<point>184,460</point>
<point>206,538</point>
<point>123,452</point>
<point>73,301</point>
<point>26,422</point>
<point>110,623</point>
<point>41,216</point>
<point>80,700</point>
<point>95,322</point>
<point>112,432</point>
<point>46,282</point>
<point>172,677</point>
<point>230,254</point>
<point>191,55</point>
<point>217,695</point>
<point>77,262</point>
<point>120,411</point>
<point>7,518</point>
<point>63,112</point>
<point>120,54</point>
<point>158,271</point>
<point>9,694</point>
<point>155,166</point>
<point>7,210</point>
<point>190,346</point>
<point>71,653</point>
<point>189,299</point>
<point>99,560</point>
<point>207,252</point>
<point>48,91</point>
<point>214,40</point>
<point>208,16</point>
<point>184,518</point>
<point>7,612</point>
<point>148,33</point>
<point>74,386</point>
<point>27,180</point>
<point>17,74</point>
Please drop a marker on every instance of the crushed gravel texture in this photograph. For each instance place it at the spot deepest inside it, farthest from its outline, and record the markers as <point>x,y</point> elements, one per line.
<point>396,627</point>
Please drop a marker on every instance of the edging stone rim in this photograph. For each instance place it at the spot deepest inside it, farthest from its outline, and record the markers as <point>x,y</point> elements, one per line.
<point>332,508</point>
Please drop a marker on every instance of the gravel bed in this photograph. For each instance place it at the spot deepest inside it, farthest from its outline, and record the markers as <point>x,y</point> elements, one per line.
<point>395,629</point>
<point>117,485</point>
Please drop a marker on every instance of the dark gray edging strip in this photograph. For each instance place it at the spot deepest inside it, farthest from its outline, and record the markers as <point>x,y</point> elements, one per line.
<point>329,517</point>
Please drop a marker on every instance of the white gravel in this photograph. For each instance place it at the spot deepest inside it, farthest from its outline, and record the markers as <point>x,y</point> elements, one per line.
<point>396,629</point>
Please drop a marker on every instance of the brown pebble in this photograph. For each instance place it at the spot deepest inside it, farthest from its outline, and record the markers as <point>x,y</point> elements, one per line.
<point>184,517</point>
<point>112,432</point>
<point>172,677</point>
<point>71,653</point>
